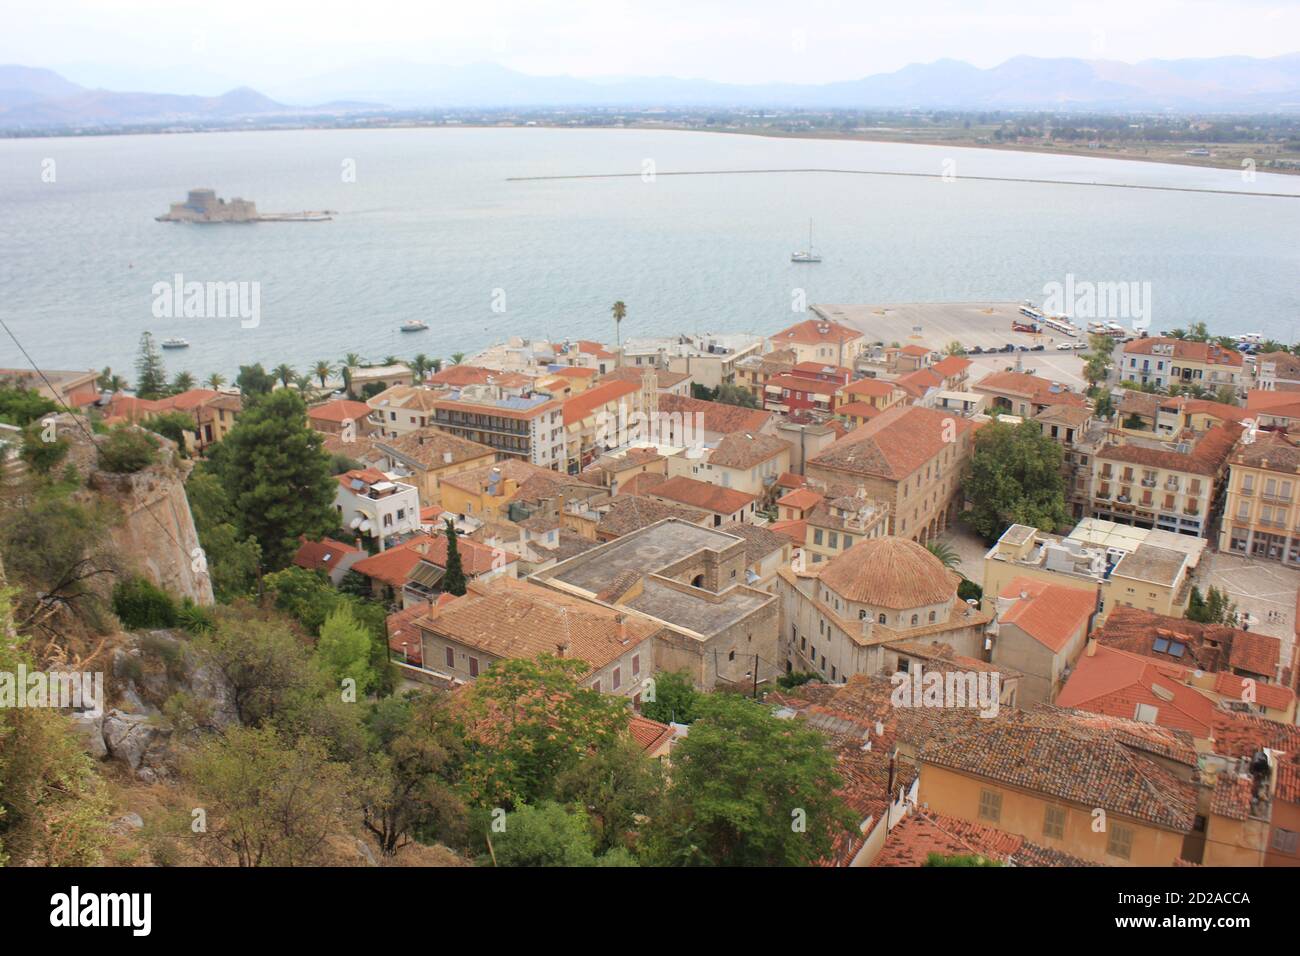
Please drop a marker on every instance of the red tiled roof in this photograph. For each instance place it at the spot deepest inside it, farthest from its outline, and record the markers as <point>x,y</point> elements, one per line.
<point>861,410</point>
<point>1272,696</point>
<point>322,555</point>
<point>649,734</point>
<point>799,383</point>
<point>922,833</point>
<point>718,417</point>
<point>1049,613</point>
<point>876,387</point>
<point>585,403</point>
<point>339,410</point>
<point>1115,682</point>
<point>802,498</point>
<point>458,375</point>
<point>1040,391</point>
<point>950,366</point>
<point>701,494</point>
<point>815,332</point>
<point>1209,353</point>
<point>395,565</point>
<point>797,531</point>
<point>894,444</point>
<point>403,635</point>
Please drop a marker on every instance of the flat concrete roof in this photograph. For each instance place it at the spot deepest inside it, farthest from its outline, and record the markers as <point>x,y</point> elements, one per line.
<point>1150,563</point>
<point>699,614</point>
<point>644,551</point>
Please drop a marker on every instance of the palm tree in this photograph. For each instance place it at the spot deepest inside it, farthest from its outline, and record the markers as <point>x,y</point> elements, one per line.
<point>457,357</point>
<point>619,311</point>
<point>322,371</point>
<point>945,553</point>
<point>350,361</point>
<point>435,365</point>
<point>420,365</point>
<point>183,382</point>
<point>306,387</point>
<point>284,373</point>
<point>391,360</point>
<point>215,381</point>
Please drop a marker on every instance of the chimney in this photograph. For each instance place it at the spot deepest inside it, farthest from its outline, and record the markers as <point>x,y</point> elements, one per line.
<point>562,649</point>
<point>620,622</point>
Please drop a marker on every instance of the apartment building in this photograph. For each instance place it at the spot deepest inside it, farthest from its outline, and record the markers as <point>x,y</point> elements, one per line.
<point>1023,394</point>
<point>1260,517</point>
<point>369,503</point>
<point>513,421</point>
<point>593,420</point>
<point>402,409</point>
<point>709,359</point>
<point>909,458</point>
<point>1163,361</point>
<point>744,462</point>
<point>821,340</point>
<point>809,387</point>
<point>1277,372</point>
<point>1173,487</point>
<point>754,371</point>
<point>426,456</point>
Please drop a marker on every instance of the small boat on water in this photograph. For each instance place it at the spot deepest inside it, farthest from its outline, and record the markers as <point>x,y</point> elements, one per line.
<point>175,344</point>
<point>414,325</point>
<point>807,255</point>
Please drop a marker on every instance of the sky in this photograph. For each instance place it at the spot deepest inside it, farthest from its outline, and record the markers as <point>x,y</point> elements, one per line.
<point>174,45</point>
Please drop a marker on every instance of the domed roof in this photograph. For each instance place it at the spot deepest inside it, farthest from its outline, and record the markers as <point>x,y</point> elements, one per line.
<point>890,572</point>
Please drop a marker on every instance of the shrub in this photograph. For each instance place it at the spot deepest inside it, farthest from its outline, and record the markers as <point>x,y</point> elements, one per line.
<point>967,590</point>
<point>140,605</point>
<point>127,450</point>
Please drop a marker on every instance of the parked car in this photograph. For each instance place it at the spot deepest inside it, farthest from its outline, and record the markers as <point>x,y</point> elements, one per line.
<point>1008,347</point>
<point>976,350</point>
<point>1065,347</point>
<point>1037,348</point>
<point>1080,345</point>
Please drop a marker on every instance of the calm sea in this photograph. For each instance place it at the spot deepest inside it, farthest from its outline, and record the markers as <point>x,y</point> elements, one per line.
<point>431,229</point>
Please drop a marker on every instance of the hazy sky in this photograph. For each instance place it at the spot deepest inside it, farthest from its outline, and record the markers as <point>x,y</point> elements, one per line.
<point>264,42</point>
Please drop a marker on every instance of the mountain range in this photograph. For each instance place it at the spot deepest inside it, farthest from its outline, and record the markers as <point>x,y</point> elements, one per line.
<point>41,98</point>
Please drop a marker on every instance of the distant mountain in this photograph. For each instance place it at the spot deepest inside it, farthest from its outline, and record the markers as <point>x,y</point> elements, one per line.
<point>39,99</point>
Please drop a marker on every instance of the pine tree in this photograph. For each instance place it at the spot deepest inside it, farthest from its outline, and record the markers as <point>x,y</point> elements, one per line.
<point>150,375</point>
<point>453,582</point>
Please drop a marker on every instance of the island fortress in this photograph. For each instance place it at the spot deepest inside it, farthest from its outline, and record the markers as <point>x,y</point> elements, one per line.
<point>202,205</point>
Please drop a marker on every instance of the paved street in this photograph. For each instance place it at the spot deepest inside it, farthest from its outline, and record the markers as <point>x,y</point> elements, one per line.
<point>1257,587</point>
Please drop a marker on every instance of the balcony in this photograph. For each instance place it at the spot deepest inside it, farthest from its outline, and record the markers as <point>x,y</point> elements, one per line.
<point>1276,498</point>
<point>1148,482</point>
<point>1171,485</point>
<point>1103,495</point>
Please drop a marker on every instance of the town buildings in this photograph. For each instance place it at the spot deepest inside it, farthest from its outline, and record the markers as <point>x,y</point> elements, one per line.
<point>821,340</point>
<point>371,504</point>
<point>511,420</point>
<point>1164,361</point>
<point>427,456</point>
<point>1260,518</point>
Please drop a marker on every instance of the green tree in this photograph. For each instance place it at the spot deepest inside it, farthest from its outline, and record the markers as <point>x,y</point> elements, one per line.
<point>1226,395</point>
<point>22,406</point>
<point>126,450</point>
<point>150,374</point>
<point>285,373</point>
<point>343,649</point>
<point>408,784</point>
<point>276,477</point>
<point>945,553</point>
<point>529,721</point>
<point>549,834</point>
<point>267,666</point>
<point>1014,477</point>
<point>253,381</point>
<point>233,559</point>
<point>269,801</point>
<point>748,789</point>
<point>323,370</point>
<point>617,786</point>
<point>729,394</point>
<point>674,698</point>
<point>182,382</point>
<point>453,581</point>
<point>619,311</point>
<point>215,381</point>
<point>141,605</point>
<point>40,455</point>
<point>171,425</point>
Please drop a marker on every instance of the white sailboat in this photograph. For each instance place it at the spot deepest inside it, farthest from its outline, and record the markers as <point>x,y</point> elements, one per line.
<point>808,255</point>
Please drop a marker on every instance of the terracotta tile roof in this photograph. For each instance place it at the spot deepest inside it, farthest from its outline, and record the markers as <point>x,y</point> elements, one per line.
<point>587,347</point>
<point>702,494</point>
<point>718,417</point>
<point>459,375</point>
<point>789,479</point>
<point>889,572</point>
<point>475,481</point>
<point>1206,457</point>
<point>1287,365</point>
<point>322,555</point>
<point>367,476</point>
<point>919,382</point>
<point>858,410</point>
<point>1115,682</point>
<point>1209,353</point>
<point>1063,755</point>
<point>1275,451</point>
<point>632,373</point>
<point>642,483</point>
<point>409,397</point>
<point>595,398</point>
<point>1272,696</point>
<point>815,332</point>
<point>802,384</point>
<point>951,366</point>
<point>1256,653</point>
<point>629,513</point>
<point>576,371</point>
<point>1072,416</point>
<point>759,542</point>
<point>1242,735</point>
<point>871,387</point>
<point>1232,795</point>
<point>922,833</point>
<point>649,734</point>
<point>339,410</point>
<point>404,636</point>
<point>1040,391</point>
<point>1049,613</point>
<point>1205,646</point>
<point>914,350</point>
<point>746,451</point>
<point>513,619</point>
<point>429,447</point>
<point>796,531</point>
<point>395,565</point>
<point>894,444</point>
<point>802,498</point>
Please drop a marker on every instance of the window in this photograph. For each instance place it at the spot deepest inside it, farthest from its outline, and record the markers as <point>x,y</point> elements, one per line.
<point>1120,841</point>
<point>732,655</point>
<point>451,657</point>
<point>1285,841</point>
<point>1054,822</point>
<point>1146,714</point>
<point>990,806</point>
<point>595,685</point>
<point>636,664</point>
<point>932,617</point>
<point>915,620</point>
<point>817,536</point>
<point>617,677</point>
<point>473,667</point>
<point>881,619</point>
